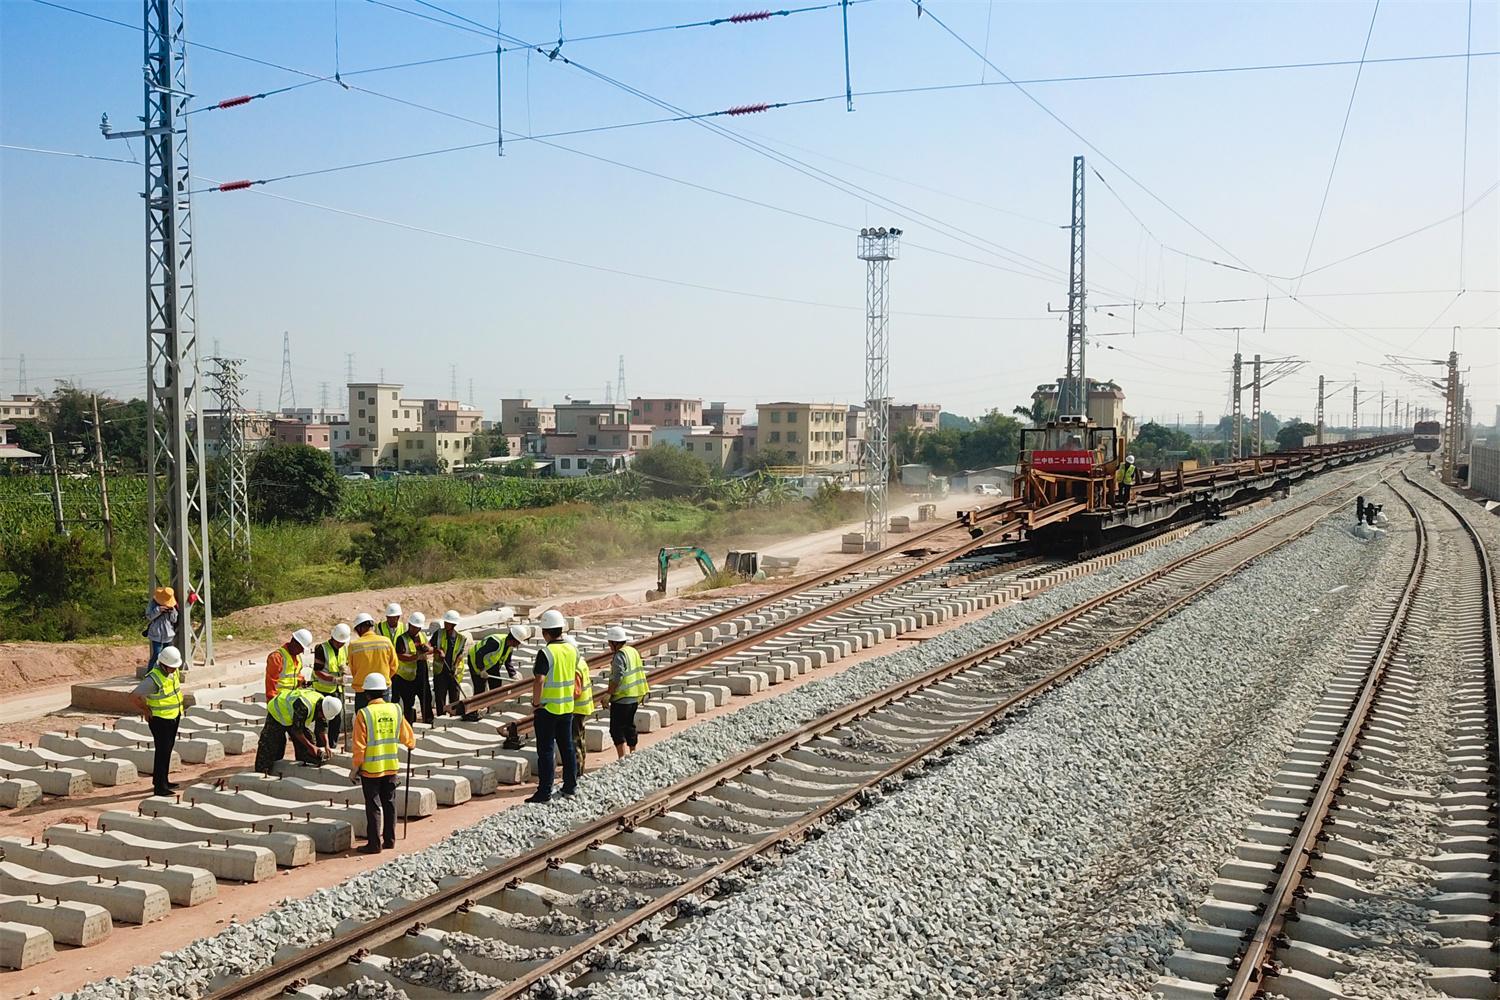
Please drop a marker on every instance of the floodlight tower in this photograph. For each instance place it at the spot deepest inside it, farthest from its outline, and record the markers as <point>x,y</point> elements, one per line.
<point>877,248</point>
<point>178,550</point>
<point>1073,399</point>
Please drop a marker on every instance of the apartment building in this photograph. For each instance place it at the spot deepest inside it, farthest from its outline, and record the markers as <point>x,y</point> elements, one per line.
<point>724,419</point>
<point>519,416</point>
<point>722,452</point>
<point>21,406</point>
<point>449,450</point>
<point>380,418</point>
<point>805,434</point>
<point>314,435</point>
<point>313,415</point>
<point>450,415</point>
<point>920,416</point>
<point>257,429</point>
<point>666,412</point>
<point>580,416</point>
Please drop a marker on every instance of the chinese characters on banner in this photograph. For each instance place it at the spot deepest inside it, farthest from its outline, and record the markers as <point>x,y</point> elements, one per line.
<point>1062,461</point>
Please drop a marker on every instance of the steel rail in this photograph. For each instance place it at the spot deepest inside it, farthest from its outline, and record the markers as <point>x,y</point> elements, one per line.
<point>296,970</point>
<point>1256,961</point>
<point>755,638</point>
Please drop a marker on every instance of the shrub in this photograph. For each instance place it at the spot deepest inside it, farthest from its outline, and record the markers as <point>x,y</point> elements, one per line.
<point>293,482</point>
<point>393,536</point>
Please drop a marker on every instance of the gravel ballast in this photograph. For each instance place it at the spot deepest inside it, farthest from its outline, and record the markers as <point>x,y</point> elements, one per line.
<point>1060,857</point>
<point>244,947</point>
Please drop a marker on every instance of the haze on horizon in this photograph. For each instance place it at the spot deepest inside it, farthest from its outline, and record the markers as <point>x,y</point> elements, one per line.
<point>721,261</point>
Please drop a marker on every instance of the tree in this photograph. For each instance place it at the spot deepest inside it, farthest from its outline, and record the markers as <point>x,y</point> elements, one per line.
<point>393,535</point>
<point>994,440</point>
<point>31,435</point>
<point>952,421</point>
<point>1290,437</point>
<point>488,444</point>
<point>293,482</point>
<point>670,471</point>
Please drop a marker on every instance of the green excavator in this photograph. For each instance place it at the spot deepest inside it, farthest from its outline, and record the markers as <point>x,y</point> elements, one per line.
<point>745,564</point>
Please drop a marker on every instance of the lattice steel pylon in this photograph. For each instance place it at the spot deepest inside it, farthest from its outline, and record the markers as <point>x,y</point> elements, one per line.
<point>1073,399</point>
<point>287,396</point>
<point>877,248</point>
<point>1452,445</point>
<point>1236,431</point>
<point>1255,407</point>
<point>620,396</point>
<point>234,501</point>
<point>178,550</point>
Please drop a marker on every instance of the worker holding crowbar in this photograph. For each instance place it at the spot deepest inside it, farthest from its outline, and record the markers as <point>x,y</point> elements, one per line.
<point>380,730</point>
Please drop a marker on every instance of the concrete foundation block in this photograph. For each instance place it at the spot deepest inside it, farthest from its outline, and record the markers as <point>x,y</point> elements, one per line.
<point>683,706</point>
<point>254,802</point>
<point>103,772</point>
<point>448,788</point>
<point>234,741</point>
<point>186,885</point>
<point>77,924</point>
<point>125,902</point>
<point>238,864</point>
<point>191,750</point>
<point>59,781</point>
<point>421,802</point>
<point>328,836</point>
<point>667,712</point>
<point>22,945</point>
<point>291,850</point>
<point>18,793</point>
<point>702,700</point>
<point>743,684</point>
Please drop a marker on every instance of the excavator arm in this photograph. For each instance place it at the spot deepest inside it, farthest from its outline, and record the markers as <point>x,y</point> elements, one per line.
<point>671,554</point>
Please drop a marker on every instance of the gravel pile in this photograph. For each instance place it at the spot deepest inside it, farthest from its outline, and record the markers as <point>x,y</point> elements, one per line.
<point>442,972</point>
<point>682,838</point>
<point>633,879</point>
<point>245,947</point>
<point>1074,844</point>
<point>502,951</point>
<point>663,857</point>
<point>728,824</point>
<point>610,899</point>
<point>368,989</point>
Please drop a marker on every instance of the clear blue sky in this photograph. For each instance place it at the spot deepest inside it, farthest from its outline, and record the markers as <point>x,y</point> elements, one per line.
<point>982,173</point>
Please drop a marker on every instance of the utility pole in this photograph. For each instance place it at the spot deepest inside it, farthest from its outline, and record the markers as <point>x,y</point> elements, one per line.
<point>1320,409</point>
<point>59,522</point>
<point>877,248</point>
<point>1235,431</point>
<point>288,394</point>
<point>1450,421</point>
<point>178,550</point>
<point>1354,433</point>
<point>1073,399</point>
<point>1255,405</point>
<point>109,527</point>
<point>1382,410</point>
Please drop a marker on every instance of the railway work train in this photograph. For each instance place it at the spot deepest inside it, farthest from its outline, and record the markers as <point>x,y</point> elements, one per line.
<point>1428,435</point>
<point>1065,484</point>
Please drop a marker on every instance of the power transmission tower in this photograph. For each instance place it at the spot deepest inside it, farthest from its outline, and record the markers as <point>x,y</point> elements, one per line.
<point>1320,409</point>
<point>620,383</point>
<point>1073,400</point>
<point>323,402</point>
<point>21,375</point>
<point>453,382</point>
<point>609,392</point>
<point>233,462</point>
<point>178,550</point>
<point>348,368</point>
<point>877,248</point>
<point>1200,426</point>
<point>288,394</point>
<point>1255,407</point>
<point>471,392</point>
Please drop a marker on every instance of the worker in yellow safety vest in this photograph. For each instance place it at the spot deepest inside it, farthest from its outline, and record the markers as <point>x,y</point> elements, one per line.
<point>284,665</point>
<point>391,627</point>
<point>330,664</point>
<point>380,731</point>
<point>628,687</point>
<point>290,715</point>
<point>451,655</point>
<point>411,684</point>
<point>158,697</point>
<point>583,706</point>
<point>369,653</point>
<point>553,677</point>
<point>1125,478</point>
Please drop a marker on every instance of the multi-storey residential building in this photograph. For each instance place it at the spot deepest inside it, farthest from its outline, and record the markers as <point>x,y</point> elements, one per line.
<point>722,452</point>
<point>856,433</point>
<point>921,416</point>
<point>666,412</point>
<point>581,416</point>
<point>1106,406</point>
<point>806,434</point>
<point>724,419</point>
<point>313,415</point>
<point>449,450</point>
<point>256,428</point>
<point>288,431</point>
<point>379,417</point>
<point>518,416</point>
<point>450,415</point>
<point>21,406</point>
<point>615,437</point>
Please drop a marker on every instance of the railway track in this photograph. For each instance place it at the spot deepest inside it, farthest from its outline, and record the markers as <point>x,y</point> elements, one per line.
<point>1370,866</point>
<point>541,915</point>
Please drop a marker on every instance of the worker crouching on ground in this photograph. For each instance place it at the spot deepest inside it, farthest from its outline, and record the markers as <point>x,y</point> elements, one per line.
<point>1125,478</point>
<point>552,682</point>
<point>330,664</point>
<point>290,715</point>
<point>583,706</point>
<point>158,697</point>
<point>369,653</point>
<point>411,684</point>
<point>380,731</point>
<point>284,665</point>
<point>628,687</point>
<point>448,664</point>
<point>489,656</point>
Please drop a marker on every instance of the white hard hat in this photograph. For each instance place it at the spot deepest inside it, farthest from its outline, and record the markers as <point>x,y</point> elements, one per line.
<point>363,619</point>
<point>520,633</point>
<point>332,706</point>
<point>303,638</point>
<point>169,657</point>
<point>553,618</point>
<point>451,617</point>
<point>617,633</point>
<point>374,682</point>
<point>393,610</point>
<point>1130,459</point>
<point>568,640</point>
<point>341,632</point>
<point>417,620</point>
